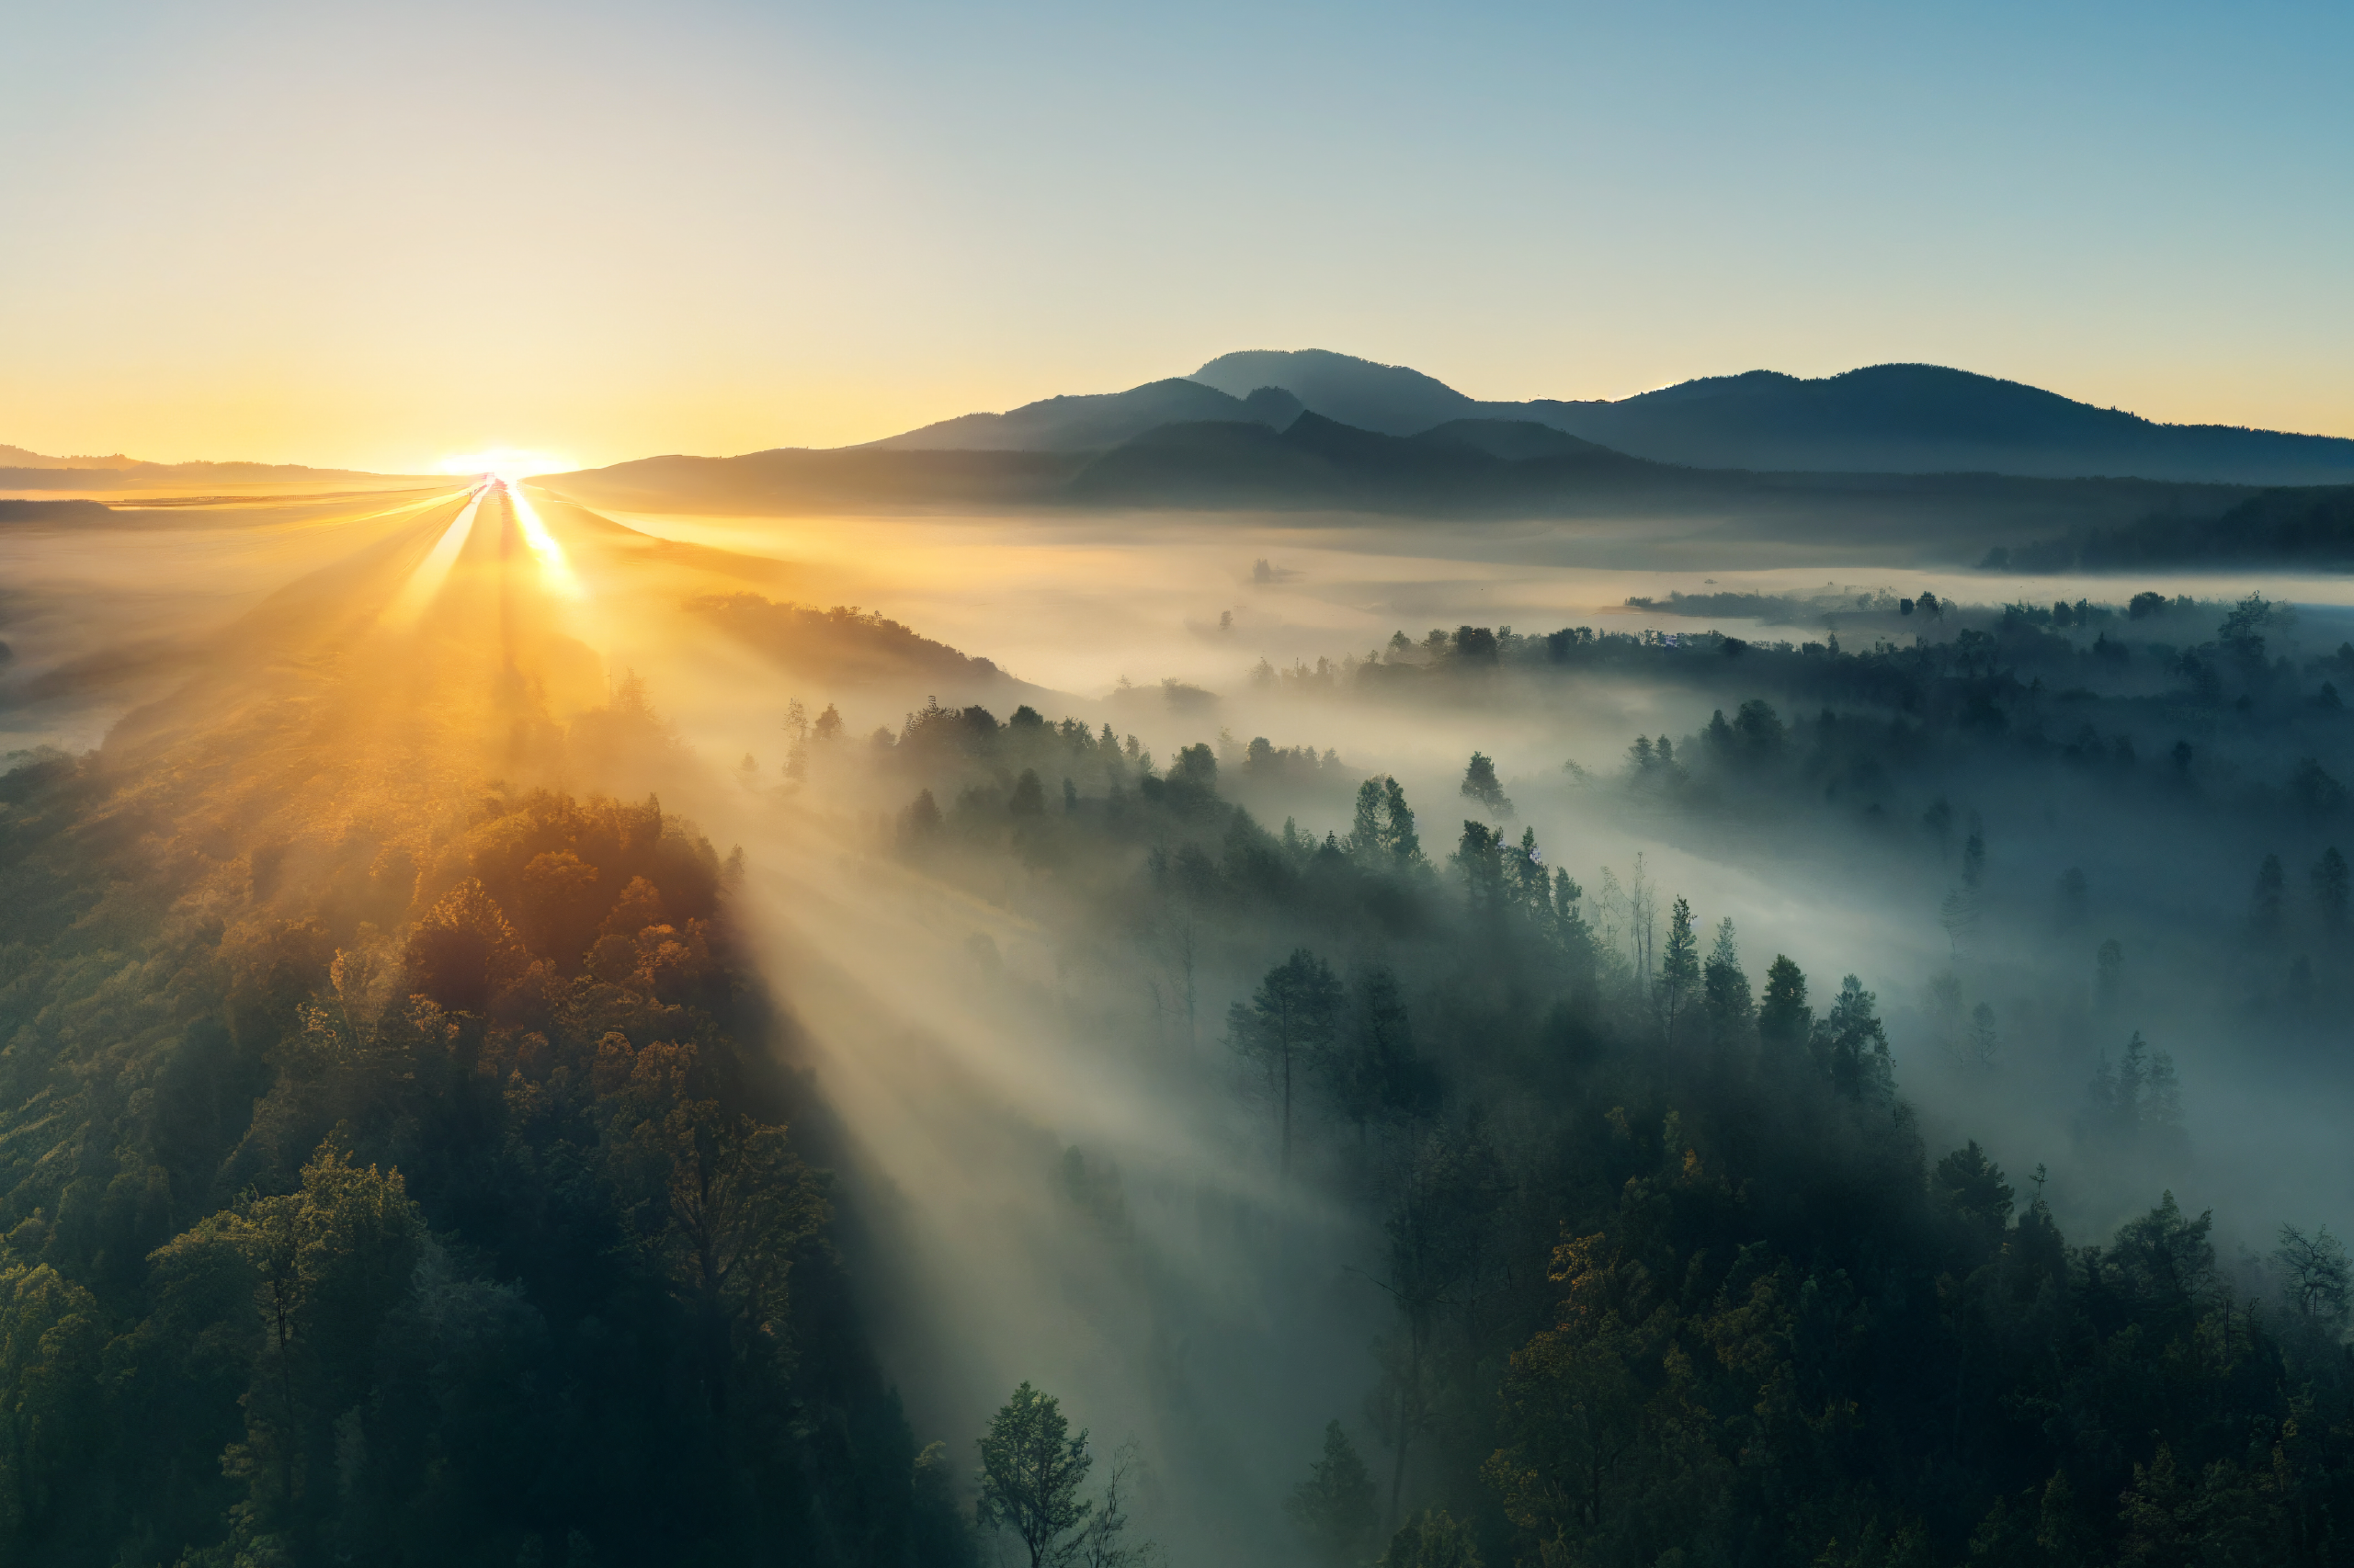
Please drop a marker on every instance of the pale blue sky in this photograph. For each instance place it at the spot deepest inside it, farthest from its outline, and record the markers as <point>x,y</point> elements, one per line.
<point>376,233</point>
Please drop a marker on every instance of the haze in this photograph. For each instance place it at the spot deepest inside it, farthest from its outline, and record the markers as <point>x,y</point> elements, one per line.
<point>1539,787</point>
<point>375,238</point>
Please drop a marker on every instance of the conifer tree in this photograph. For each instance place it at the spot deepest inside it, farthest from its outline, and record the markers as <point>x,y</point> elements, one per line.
<point>1680,968</point>
<point>1783,1017</point>
<point>1287,1031</point>
<point>1335,1507</point>
<point>1480,784</point>
<point>1725,989</point>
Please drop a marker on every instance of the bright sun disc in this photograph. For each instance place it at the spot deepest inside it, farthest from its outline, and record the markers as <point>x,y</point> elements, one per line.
<point>506,462</point>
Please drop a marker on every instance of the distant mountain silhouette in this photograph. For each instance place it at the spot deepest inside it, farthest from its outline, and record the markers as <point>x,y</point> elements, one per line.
<point>1461,470</point>
<point>18,457</point>
<point>1092,422</point>
<point>1469,465</point>
<point>129,473</point>
<point>797,479</point>
<point>1882,419</point>
<point>1388,398</point>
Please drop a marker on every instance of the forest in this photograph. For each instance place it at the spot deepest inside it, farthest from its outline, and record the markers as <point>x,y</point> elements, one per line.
<point>469,1196</point>
<point>1675,1276</point>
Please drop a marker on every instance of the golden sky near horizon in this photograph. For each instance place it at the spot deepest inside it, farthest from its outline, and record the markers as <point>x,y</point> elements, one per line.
<point>380,236</point>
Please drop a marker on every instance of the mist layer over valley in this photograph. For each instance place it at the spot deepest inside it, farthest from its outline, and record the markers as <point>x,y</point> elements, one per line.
<point>612,1018</point>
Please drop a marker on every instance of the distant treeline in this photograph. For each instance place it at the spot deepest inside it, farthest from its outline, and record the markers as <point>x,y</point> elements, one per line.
<point>52,511</point>
<point>2288,527</point>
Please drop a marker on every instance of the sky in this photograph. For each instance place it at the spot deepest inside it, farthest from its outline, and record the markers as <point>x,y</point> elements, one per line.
<point>378,234</point>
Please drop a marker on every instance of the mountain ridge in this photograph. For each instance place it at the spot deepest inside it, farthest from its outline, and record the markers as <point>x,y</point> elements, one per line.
<point>1890,418</point>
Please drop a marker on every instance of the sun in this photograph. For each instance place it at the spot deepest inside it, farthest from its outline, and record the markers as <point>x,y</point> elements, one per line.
<point>506,462</point>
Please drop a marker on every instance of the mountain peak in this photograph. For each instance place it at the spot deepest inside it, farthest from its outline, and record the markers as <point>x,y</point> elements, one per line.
<point>1391,398</point>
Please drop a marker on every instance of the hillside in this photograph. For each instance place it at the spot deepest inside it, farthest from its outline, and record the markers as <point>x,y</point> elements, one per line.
<point>1880,419</point>
<point>1091,423</point>
<point>1469,468</point>
<point>23,470</point>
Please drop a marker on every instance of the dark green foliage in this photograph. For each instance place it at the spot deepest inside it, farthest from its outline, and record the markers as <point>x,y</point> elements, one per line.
<point>1480,782</point>
<point>1031,1471</point>
<point>1680,968</point>
<point>1725,990</point>
<point>1776,1329</point>
<point>1289,1030</point>
<point>1433,1539</point>
<point>1784,1019</point>
<point>468,1237</point>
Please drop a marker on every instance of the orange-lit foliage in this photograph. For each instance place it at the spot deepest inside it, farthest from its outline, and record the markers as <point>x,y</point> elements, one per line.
<point>541,1074</point>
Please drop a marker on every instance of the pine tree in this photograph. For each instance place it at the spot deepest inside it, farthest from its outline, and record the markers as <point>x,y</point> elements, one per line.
<point>1783,1017</point>
<point>1679,968</point>
<point>1725,989</point>
<point>1397,831</point>
<point>1365,831</point>
<point>1288,1030</point>
<point>1030,795</point>
<point>1851,1046</point>
<point>1480,784</point>
<point>1335,1507</point>
<point>1481,858</point>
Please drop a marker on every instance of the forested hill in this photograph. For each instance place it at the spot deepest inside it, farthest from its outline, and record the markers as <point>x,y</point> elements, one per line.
<point>1463,469</point>
<point>1879,419</point>
<point>388,1179</point>
<point>2308,527</point>
<point>845,650</point>
<point>1675,1277</point>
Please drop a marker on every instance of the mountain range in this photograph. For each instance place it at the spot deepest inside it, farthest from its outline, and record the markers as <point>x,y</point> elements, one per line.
<point>23,470</point>
<point>1880,419</point>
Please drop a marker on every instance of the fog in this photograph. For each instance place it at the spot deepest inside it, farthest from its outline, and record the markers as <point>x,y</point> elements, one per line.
<point>1083,606</point>
<point>1051,1166</point>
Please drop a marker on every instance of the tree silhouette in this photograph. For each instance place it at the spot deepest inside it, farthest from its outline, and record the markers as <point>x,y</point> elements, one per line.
<point>1287,1029</point>
<point>1031,1471</point>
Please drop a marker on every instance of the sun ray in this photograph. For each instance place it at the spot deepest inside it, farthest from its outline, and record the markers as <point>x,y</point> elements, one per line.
<point>556,575</point>
<point>433,569</point>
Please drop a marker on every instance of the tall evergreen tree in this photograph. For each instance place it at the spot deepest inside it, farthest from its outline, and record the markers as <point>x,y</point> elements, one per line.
<point>1480,784</point>
<point>1725,989</point>
<point>1784,1020</point>
<point>1397,826</point>
<point>1680,968</point>
<point>1287,1031</point>
<point>1335,1507</point>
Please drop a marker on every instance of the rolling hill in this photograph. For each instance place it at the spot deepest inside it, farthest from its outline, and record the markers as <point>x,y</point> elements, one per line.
<point>1880,419</point>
